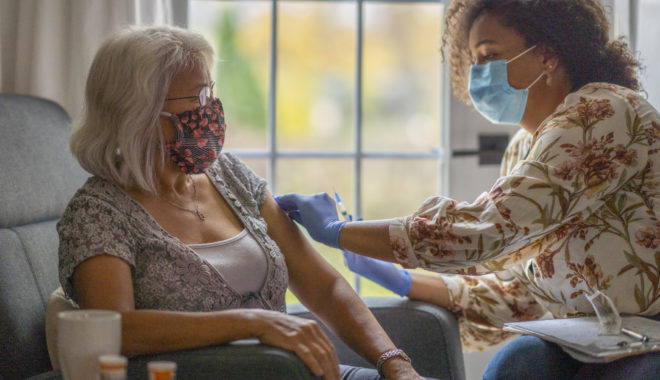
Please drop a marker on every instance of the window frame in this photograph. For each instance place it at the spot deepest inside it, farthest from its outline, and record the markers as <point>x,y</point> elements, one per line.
<point>357,154</point>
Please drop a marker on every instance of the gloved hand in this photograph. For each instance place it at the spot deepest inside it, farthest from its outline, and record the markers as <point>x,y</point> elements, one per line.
<point>317,213</point>
<point>381,272</point>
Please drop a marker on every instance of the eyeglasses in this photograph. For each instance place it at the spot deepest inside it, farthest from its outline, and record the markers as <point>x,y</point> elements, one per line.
<point>204,95</point>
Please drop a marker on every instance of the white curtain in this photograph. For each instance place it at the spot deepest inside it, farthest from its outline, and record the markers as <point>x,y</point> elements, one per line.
<point>47,46</point>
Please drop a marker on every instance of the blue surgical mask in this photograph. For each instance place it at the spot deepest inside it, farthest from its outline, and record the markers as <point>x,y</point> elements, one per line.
<point>493,96</point>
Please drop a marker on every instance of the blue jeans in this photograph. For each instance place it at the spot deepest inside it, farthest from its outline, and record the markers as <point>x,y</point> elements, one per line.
<point>358,373</point>
<point>532,358</point>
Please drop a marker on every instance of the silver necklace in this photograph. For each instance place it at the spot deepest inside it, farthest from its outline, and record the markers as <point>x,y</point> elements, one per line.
<point>196,211</point>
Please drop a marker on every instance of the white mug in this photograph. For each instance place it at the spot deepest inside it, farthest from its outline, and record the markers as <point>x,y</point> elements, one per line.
<point>84,335</point>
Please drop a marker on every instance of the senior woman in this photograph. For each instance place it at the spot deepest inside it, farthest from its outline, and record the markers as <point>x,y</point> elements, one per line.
<point>575,211</point>
<point>185,242</point>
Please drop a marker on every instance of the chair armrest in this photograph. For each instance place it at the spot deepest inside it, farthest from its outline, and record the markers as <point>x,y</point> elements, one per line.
<point>243,359</point>
<point>427,333</point>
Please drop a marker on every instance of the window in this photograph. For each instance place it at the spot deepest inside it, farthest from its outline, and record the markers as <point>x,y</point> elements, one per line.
<point>343,96</point>
<point>636,21</point>
<point>645,39</point>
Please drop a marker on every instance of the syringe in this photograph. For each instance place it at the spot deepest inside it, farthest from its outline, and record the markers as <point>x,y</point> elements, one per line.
<point>342,209</point>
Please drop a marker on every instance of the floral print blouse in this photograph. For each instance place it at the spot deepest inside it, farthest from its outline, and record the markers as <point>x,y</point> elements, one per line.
<point>167,274</point>
<point>574,212</point>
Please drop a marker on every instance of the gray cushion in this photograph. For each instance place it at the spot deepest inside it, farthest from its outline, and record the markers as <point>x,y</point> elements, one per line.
<point>38,178</point>
<point>39,175</point>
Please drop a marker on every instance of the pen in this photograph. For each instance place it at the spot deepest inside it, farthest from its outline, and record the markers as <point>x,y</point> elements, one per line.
<point>643,338</point>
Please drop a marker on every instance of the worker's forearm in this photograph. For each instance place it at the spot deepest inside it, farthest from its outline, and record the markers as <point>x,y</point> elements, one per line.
<point>368,238</point>
<point>429,288</point>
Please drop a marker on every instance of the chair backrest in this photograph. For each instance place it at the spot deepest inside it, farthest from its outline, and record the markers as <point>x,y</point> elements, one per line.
<point>37,179</point>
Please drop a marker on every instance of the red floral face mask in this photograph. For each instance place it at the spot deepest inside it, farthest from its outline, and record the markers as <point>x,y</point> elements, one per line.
<point>200,134</point>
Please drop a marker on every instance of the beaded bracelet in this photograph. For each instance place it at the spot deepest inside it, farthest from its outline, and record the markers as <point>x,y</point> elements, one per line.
<point>385,356</point>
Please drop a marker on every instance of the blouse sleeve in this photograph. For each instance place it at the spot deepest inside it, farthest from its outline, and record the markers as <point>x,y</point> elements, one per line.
<point>582,155</point>
<point>482,305</point>
<point>90,227</point>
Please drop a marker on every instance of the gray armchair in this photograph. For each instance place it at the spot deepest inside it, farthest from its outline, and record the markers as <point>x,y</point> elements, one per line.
<point>38,178</point>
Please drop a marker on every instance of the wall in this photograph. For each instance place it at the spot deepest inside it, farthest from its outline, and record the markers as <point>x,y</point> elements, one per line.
<point>468,179</point>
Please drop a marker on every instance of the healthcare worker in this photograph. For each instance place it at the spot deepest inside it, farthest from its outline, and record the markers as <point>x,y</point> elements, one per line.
<point>574,213</point>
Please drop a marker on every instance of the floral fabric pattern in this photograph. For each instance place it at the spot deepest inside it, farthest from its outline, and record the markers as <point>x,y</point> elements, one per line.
<point>167,274</point>
<point>573,212</point>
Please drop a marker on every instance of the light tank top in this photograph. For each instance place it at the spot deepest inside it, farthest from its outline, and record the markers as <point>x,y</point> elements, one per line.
<point>239,259</point>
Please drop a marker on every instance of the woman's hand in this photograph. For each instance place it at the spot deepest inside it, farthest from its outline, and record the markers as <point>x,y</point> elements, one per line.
<point>397,369</point>
<point>300,335</point>
<point>317,213</point>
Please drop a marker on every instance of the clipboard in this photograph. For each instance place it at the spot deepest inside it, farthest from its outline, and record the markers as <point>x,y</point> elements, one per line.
<point>580,337</point>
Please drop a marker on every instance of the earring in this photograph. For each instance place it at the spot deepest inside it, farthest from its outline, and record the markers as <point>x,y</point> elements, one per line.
<point>548,79</point>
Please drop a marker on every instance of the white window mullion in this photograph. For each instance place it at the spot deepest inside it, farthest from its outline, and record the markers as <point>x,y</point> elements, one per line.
<point>272,102</point>
<point>358,123</point>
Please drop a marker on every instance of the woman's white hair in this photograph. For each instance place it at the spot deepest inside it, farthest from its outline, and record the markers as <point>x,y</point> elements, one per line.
<point>119,137</point>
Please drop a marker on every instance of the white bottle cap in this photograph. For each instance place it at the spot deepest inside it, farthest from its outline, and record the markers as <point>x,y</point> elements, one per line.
<point>161,366</point>
<point>112,367</point>
<point>114,361</point>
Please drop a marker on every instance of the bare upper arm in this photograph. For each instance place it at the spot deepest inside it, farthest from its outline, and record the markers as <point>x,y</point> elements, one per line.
<point>306,267</point>
<point>104,282</point>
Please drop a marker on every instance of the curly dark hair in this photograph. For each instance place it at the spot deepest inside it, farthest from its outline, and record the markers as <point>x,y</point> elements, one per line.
<point>576,31</point>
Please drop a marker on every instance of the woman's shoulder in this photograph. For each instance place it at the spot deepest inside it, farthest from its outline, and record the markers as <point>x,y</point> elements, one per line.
<point>594,102</point>
<point>101,187</point>
<point>520,137</point>
<point>229,163</point>
<point>96,193</point>
<point>617,96</point>
<point>516,151</point>
<point>229,167</point>
<point>230,172</point>
<point>97,187</point>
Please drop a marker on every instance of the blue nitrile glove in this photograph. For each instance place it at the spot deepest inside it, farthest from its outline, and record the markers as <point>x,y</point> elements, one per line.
<point>317,213</point>
<point>381,272</point>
